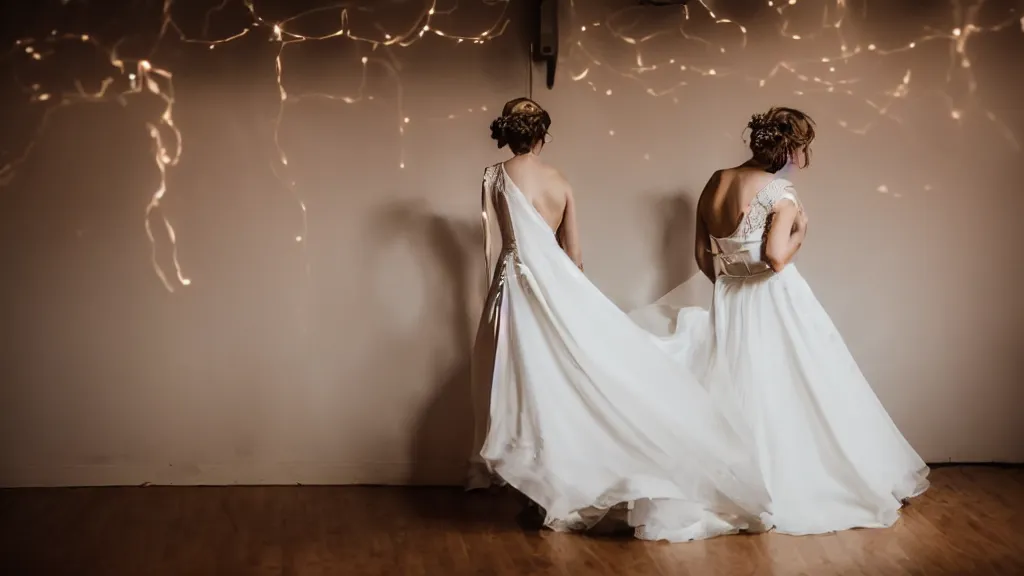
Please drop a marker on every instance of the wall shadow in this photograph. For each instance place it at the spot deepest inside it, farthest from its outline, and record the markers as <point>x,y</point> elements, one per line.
<point>443,431</point>
<point>675,248</point>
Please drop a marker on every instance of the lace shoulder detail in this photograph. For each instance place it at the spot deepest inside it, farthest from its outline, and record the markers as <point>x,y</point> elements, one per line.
<point>783,189</point>
<point>764,202</point>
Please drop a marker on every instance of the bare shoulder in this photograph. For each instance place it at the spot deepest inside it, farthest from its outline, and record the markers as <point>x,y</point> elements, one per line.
<point>716,179</point>
<point>711,187</point>
<point>557,181</point>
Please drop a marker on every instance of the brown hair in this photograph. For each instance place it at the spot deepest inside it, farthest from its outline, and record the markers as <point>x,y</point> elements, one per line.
<point>778,134</point>
<point>521,125</point>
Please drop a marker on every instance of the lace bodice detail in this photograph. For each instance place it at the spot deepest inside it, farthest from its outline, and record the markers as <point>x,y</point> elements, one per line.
<point>762,205</point>
<point>740,253</point>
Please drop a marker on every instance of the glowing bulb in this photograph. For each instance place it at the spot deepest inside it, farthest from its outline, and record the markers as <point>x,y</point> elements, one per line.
<point>883,189</point>
<point>167,156</point>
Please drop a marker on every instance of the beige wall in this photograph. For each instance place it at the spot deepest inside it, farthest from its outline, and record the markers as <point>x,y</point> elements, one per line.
<point>259,372</point>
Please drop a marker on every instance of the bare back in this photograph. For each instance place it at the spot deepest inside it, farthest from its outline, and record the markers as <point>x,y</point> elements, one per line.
<point>542,185</point>
<point>727,196</point>
<point>550,194</point>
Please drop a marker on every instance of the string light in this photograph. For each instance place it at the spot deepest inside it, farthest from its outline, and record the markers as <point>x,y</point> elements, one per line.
<point>836,17</point>
<point>130,77</point>
<point>133,77</point>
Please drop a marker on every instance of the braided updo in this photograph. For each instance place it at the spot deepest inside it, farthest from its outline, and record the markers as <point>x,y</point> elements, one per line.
<point>522,124</point>
<point>778,134</point>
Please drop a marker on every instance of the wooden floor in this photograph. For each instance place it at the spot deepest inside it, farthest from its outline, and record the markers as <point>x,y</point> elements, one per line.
<point>971,522</point>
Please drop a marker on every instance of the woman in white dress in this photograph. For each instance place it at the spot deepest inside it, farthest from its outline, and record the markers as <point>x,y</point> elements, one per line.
<point>831,455</point>
<point>577,407</point>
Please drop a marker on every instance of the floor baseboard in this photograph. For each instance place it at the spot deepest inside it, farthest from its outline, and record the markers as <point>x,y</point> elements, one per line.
<point>934,465</point>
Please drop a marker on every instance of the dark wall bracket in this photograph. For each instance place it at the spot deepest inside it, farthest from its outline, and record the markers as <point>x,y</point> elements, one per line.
<point>546,42</point>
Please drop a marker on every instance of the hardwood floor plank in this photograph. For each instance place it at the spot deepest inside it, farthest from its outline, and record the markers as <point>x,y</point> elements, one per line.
<point>968,523</point>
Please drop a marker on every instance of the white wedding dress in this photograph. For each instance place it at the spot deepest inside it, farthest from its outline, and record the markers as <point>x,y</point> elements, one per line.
<point>831,455</point>
<point>581,410</point>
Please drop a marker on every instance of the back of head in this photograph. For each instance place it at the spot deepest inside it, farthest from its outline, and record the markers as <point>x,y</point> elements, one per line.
<point>522,125</point>
<point>779,136</point>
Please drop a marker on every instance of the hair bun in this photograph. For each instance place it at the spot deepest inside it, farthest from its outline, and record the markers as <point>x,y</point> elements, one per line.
<point>522,124</point>
<point>778,134</point>
<point>764,131</point>
<point>498,126</point>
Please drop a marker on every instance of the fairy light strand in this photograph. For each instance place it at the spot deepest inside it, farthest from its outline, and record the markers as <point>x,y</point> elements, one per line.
<point>143,77</point>
<point>133,77</point>
<point>836,14</point>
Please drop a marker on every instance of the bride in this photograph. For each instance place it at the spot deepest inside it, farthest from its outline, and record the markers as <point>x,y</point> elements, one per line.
<point>578,407</point>
<point>831,456</point>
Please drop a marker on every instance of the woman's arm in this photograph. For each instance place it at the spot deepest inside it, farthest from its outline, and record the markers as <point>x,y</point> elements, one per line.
<point>785,234</point>
<point>702,248</point>
<point>568,232</point>
<point>702,239</point>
